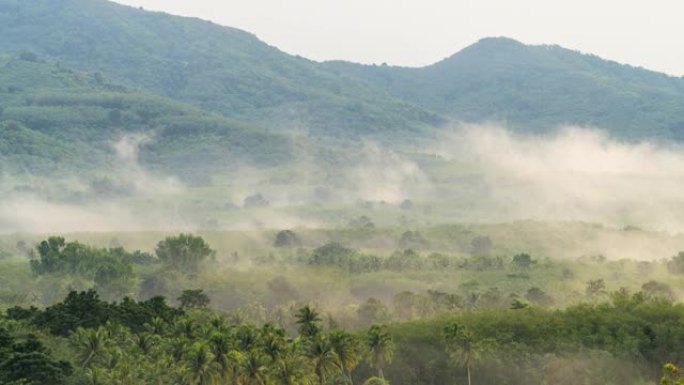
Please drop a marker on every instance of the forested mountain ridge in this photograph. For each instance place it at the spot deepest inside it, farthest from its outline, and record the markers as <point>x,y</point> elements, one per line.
<point>65,60</point>
<point>232,72</point>
<point>534,88</point>
<point>213,67</point>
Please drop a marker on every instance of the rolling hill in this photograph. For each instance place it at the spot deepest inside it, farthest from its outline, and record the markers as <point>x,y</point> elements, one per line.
<point>535,88</point>
<point>216,68</point>
<point>55,119</point>
<point>77,74</point>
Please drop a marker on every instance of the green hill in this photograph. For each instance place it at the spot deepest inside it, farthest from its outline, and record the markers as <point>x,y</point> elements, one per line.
<point>54,119</point>
<point>535,88</point>
<point>78,74</point>
<point>216,68</point>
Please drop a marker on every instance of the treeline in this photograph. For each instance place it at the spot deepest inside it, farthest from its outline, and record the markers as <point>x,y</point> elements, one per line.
<point>337,255</point>
<point>623,341</point>
<point>187,261</point>
<point>152,343</point>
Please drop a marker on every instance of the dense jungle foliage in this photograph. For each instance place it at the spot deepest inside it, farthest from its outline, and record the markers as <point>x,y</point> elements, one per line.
<point>607,335</point>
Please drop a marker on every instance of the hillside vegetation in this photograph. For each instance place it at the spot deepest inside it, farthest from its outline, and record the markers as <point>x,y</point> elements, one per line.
<point>296,307</point>
<point>231,72</point>
<point>57,119</point>
<point>535,88</point>
<point>216,68</point>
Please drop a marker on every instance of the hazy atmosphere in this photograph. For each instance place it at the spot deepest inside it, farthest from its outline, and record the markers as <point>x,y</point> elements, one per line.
<point>352,193</point>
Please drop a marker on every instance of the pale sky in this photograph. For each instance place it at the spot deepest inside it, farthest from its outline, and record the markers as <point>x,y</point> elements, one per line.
<point>420,32</point>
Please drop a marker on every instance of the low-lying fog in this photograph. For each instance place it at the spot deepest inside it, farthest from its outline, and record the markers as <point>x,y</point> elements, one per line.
<point>486,172</point>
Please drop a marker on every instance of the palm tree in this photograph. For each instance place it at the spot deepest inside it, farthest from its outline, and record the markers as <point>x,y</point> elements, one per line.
<point>177,348</point>
<point>325,361</point>
<point>146,342</point>
<point>293,369</point>
<point>348,350</point>
<point>199,364</point>
<point>272,344</point>
<point>219,324</point>
<point>235,361</point>
<point>157,325</point>
<point>220,346</point>
<point>380,348</point>
<point>247,338</point>
<point>185,327</point>
<point>254,368</point>
<point>90,344</point>
<point>308,321</point>
<point>461,346</point>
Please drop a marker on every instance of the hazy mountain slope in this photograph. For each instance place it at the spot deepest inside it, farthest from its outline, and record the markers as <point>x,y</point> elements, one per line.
<point>225,70</point>
<point>536,88</point>
<point>56,119</point>
<point>216,68</point>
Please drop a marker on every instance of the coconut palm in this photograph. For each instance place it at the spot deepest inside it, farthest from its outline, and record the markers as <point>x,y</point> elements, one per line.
<point>219,324</point>
<point>220,345</point>
<point>308,320</point>
<point>272,343</point>
<point>348,350</point>
<point>235,361</point>
<point>293,369</point>
<point>177,348</point>
<point>90,344</point>
<point>380,348</point>
<point>146,342</point>
<point>185,327</point>
<point>324,359</point>
<point>247,338</point>
<point>254,368</point>
<point>200,365</point>
<point>461,346</point>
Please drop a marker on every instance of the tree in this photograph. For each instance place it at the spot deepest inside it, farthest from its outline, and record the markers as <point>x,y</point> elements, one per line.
<point>412,240</point>
<point>481,245</point>
<point>194,299</point>
<point>596,287</point>
<point>324,359</point>
<point>372,311</point>
<point>309,321</point>
<point>348,350</point>
<point>90,345</point>
<point>658,289</point>
<point>539,297</point>
<point>523,261</point>
<point>200,364</point>
<point>49,256</point>
<point>113,277</point>
<point>184,252</point>
<point>286,238</point>
<point>380,348</point>
<point>254,368</point>
<point>29,363</point>
<point>293,369</point>
<point>460,343</point>
<point>676,264</point>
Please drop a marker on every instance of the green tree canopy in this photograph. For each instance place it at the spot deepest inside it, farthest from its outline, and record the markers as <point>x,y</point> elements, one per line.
<point>184,252</point>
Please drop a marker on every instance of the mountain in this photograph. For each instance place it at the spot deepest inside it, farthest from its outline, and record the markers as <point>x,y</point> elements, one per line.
<point>77,75</point>
<point>53,119</point>
<point>215,68</point>
<point>534,88</point>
